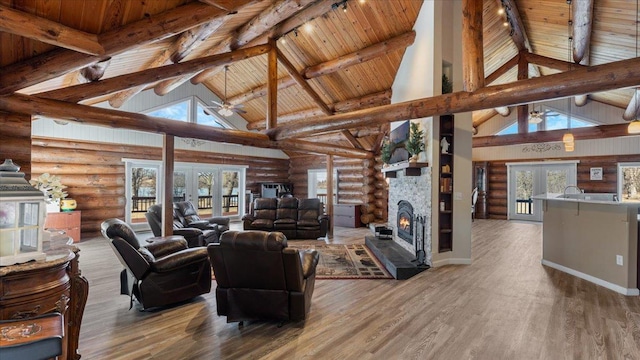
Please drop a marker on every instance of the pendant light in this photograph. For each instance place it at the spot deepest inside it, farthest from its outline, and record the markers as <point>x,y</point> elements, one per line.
<point>535,116</point>
<point>567,139</point>
<point>634,125</point>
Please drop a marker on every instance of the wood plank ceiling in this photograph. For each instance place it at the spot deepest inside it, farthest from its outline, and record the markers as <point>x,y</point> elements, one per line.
<point>324,43</point>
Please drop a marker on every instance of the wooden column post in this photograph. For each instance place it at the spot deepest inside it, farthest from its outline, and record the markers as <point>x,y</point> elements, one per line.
<point>167,166</point>
<point>329,205</point>
<point>272,85</point>
<point>473,55</point>
<point>523,110</point>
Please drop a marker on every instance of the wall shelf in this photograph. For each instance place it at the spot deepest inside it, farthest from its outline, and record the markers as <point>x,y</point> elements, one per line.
<point>410,169</point>
<point>445,192</point>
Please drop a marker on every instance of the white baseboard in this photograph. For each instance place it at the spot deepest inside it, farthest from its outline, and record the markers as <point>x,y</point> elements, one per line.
<point>611,286</point>
<point>452,261</point>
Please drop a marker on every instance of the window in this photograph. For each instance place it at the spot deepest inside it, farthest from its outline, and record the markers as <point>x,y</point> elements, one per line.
<point>552,120</point>
<point>317,185</point>
<point>208,117</point>
<point>629,182</point>
<point>176,111</point>
<point>513,129</point>
<point>191,110</point>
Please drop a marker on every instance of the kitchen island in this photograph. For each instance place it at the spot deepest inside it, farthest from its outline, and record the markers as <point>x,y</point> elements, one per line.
<point>593,237</point>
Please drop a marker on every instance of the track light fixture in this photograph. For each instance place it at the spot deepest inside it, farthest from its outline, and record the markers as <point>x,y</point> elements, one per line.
<point>340,4</point>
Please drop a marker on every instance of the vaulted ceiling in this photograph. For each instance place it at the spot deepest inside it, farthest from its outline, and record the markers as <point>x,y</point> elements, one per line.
<point>334,56</point>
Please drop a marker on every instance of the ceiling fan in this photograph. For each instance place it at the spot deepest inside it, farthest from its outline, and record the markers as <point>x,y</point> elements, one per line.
<point>224,108</point>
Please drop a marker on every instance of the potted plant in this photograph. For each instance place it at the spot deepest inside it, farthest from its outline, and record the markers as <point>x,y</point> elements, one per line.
<point>385,151</point>
<point>415,144</point>
<point>52,189</point>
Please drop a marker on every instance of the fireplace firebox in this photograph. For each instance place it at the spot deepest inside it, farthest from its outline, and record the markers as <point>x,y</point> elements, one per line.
<point>405,221</point>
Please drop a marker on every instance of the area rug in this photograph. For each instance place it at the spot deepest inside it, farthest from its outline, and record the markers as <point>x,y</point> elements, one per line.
<point>339,261</point>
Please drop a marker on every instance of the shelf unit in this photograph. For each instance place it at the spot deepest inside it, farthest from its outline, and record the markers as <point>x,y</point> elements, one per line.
<point>445,176</point>
<point>275,189</point>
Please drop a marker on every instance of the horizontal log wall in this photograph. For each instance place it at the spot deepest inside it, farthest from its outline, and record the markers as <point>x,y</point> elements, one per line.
<point>15,140</point>
<point>356,181</point>
<point>95,174</point>
<point>497,179</point>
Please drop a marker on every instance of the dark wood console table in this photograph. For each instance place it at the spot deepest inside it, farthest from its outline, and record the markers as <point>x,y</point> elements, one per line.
<point>52,285</point>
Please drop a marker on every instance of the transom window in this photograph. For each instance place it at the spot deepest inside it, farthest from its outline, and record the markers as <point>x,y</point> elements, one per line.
<point>551,120</point>
<point>191,110</point>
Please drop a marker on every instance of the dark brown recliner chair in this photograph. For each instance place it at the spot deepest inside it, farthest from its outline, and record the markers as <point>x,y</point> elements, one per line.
<point>188,215</point>
<point>286,217</point>
<point>262,216</point>
<point>194,236</point>
<point>260,278</point>
<point>160,273</point>
<point>312,221</point>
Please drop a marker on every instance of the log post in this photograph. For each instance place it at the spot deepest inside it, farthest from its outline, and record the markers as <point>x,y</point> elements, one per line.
<point>168,145</point>
<point>473,54</point>
<point>523,110</point>
<point>329,207</point>
<point>272,86</point>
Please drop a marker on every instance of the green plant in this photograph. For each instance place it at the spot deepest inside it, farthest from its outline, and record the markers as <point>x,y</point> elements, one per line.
<point>415,144</point>
<point>51,186</point>
<point>447,85</point>
<point>385,151</point>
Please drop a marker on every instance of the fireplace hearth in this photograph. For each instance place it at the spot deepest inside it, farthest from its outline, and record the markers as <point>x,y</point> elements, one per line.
<point>405,221</point>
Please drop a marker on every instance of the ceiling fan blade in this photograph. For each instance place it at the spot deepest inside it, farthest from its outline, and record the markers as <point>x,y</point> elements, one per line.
<point>238,105</point>
<point>239,111</point>
<point>217,103</point>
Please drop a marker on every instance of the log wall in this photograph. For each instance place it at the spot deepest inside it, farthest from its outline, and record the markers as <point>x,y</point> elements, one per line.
<point>357,182</point>
<point>15,140</point>
<point>95,174</point>
<point>497,179</point>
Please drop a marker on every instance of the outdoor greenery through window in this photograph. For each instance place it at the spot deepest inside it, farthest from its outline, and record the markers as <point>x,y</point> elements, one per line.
<point>629,182</point>
<point>552,120</point>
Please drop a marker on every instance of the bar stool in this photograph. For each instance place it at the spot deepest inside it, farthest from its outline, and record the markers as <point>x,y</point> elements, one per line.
<point>33,338</point>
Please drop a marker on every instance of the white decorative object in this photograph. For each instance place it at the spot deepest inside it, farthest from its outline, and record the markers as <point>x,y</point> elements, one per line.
<point>596,173</point>
<point>444,144</point>
<point>21,217</point>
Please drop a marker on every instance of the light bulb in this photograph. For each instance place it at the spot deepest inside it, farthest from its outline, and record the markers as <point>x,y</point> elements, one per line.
<point>634,127</point>
<point>500,11</point>
<point>308,28</point>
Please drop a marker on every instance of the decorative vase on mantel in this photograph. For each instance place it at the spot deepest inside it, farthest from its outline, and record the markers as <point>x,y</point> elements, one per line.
<point>53,206</point>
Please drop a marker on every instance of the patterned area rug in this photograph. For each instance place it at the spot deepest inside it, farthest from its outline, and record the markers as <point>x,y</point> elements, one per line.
<point>339,261</point>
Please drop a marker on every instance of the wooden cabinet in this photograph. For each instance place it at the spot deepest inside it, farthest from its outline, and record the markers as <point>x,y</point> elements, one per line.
<point>445,193</point>
<point>346,215</point>
<point>480,182</point>
<point>67,221</point>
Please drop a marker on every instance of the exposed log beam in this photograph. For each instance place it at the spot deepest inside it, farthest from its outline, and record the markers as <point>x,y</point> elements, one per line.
<point>551,63</point>
<point>351,139</point>
<point>58,62</point>
<point>375,99</point>
<point>616,75</point>
<point>168,162</point>
<point>259,25</point>
<point>81,92</point>
<point>34,27</point>
<point>358,134</point>
<point>228,5</point>
<point>272,86</point>
<point>592,132</point>
<point>331,66</point>
<point>473,54</point>
<point>362,55</point>
<point>502,70</point>
<point>518,35</point>
<point>503,110</point>
<point>633,109</point>
<point>485,115</point>
<point>582,25</point>
<point>523,109</point>
<point>26,104</point>
<point>302,82</point>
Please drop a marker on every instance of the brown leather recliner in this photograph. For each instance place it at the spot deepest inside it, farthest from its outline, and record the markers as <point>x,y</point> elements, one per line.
<point>260,278</point>
<point>194,236</point>
<point>188,215</point>
<point>296,218</point>
<point>161,273</point>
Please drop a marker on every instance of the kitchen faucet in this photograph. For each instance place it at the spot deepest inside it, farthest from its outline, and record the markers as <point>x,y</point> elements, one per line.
<point>572,186</point>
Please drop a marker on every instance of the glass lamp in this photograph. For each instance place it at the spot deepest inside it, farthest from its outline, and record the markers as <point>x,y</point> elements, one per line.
<point>22,213</point>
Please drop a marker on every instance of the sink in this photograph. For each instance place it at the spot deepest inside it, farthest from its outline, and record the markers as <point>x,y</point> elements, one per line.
<point>590,196</point>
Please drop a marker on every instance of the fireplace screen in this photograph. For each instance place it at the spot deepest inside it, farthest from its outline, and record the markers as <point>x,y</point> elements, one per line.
<point>405,221</point>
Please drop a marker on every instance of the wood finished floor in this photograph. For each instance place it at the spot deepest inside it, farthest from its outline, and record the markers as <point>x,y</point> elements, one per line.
<point>506,305</point>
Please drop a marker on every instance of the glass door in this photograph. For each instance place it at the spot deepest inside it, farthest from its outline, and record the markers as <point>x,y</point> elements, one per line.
<point>142,189</point>
<point>536,179</point>
<point>195,184</point>
<point>230,190</point>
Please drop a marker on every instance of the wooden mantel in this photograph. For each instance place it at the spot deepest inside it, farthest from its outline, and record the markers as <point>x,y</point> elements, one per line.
<point>410,169</point>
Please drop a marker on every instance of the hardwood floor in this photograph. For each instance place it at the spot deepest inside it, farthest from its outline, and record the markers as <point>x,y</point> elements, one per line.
<point>506,305</point>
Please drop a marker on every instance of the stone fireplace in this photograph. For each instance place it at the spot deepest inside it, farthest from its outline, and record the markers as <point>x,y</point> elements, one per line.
<point>410,196</point>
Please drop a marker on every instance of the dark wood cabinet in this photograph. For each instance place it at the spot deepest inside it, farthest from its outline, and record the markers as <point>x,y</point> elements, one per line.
<point>347,215</point>
<point>275,190</point>
<point>480,182</point>
<point>67,221</point>
<point>445,193</point>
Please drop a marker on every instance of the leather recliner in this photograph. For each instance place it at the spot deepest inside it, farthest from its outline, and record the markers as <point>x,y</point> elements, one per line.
<point>296,218</point>
<point>194,236</point>
<point>188,215</point>
<point>161,273</point>
<point>260,278</point>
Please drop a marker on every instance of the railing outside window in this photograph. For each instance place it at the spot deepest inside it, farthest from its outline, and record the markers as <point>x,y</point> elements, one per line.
<point>524,206</point>
<point>142,203</point>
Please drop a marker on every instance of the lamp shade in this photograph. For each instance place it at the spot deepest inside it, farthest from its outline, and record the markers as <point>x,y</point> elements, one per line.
<point>567,138</point>
<point>535,117</point>
<point>569,147</point>
<point>634,127</point>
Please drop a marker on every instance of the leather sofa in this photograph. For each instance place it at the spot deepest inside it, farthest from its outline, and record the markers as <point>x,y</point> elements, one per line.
<point>259,277</point>
<point>194,236</point>
<point>160,273</point>
<point>295,218</point>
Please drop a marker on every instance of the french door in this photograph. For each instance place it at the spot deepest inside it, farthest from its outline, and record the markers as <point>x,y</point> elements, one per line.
<point>526,180</point>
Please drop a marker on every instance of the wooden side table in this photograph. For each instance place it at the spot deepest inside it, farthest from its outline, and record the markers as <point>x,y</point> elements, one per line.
<point>67,221</point>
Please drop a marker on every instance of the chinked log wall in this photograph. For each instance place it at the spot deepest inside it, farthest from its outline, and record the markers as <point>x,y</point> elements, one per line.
<point>95,174</point>
<point>358,182</point>
<point>16,140</point>
<point>497,179</point>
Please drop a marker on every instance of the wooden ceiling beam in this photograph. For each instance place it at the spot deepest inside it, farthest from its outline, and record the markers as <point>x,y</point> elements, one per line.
<point>272,88</point>
<point>367,101</point>
<point>502,69</point>
<point>473,54</point>
<point>58,62</point>
<point>351,139</point>
<point>615,75</point>
<point>34,27</point>
<point>259,25</point>
<point>582,25</point>
<point>302,82</point>
<point>81,92</point>
<point>518,34</point>
<point>551,63</point>
<point>632,111</point>
<point>321,148</point>
<point>334,65</point>
<point>586,133</point>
